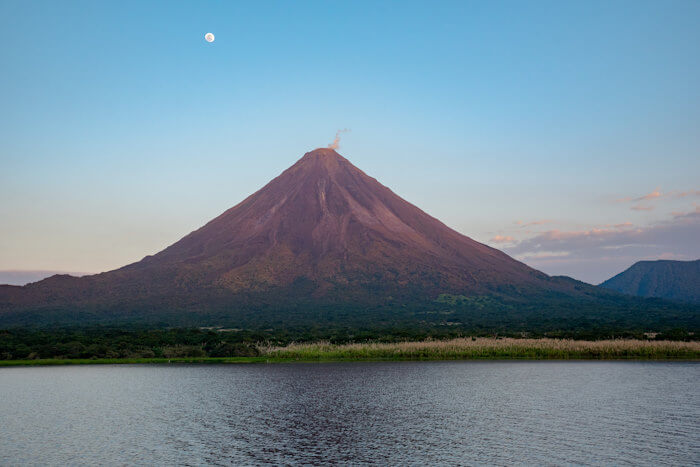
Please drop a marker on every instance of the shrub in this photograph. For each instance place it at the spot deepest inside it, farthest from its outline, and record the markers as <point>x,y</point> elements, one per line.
<point>227,349</point>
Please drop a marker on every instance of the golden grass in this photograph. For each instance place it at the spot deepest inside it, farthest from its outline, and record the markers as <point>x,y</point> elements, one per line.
<point>468,348</point>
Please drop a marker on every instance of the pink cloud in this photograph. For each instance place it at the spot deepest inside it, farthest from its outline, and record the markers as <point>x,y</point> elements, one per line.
<point>618,226</point>
<point>576,234</point>
<point>639,207</point>
<point>653,195</point>
<point>657,194</point>
<point>547,256</point>
<point>598,253</point>
<point>502,239</point>
<point>624,224</point>
<point>670,255</point>
<point>683,214</point>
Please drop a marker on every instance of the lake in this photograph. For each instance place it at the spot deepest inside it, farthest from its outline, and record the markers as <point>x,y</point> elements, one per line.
<point>489,412</point>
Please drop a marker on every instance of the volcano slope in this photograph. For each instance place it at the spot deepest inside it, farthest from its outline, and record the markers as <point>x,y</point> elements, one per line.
<point>324,244</point>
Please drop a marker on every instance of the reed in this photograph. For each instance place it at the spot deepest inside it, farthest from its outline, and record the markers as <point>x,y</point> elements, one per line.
<point>487,348</point>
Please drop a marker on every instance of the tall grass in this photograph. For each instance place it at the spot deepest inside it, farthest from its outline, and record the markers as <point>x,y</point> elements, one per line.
<point>455,349</point>
<point>485,348</point>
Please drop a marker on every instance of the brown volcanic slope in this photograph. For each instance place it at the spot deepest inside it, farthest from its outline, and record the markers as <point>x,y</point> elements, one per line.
<point>322,230</point>
<point>326,220</point>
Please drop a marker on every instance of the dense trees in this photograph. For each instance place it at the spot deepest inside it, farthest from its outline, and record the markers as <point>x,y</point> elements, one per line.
<point>234,332</point>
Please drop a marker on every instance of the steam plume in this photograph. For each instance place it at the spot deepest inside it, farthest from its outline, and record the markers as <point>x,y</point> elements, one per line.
<point>336,142</point>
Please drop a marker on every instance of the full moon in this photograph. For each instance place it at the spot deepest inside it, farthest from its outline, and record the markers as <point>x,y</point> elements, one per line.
<point>209,37</point>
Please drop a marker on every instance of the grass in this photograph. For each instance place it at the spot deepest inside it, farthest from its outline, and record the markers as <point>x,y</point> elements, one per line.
<point>490,348</point>
<point>455,349</point>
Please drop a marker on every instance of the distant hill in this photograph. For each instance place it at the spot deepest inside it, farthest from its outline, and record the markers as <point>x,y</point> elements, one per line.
<point>325,245</point>
<point>11,277</point>
<point>673,280</point>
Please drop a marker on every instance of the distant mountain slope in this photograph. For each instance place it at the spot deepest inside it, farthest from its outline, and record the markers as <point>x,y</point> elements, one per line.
<point>674,280</point>
<point>20,277</point>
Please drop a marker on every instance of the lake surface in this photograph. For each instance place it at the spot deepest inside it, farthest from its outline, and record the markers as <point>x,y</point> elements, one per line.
<point>387,413</point>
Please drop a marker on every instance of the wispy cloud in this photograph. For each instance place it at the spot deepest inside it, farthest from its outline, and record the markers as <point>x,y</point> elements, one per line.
<point>642,208</point>
<point>531,223</point>
<point>621,225</point>
<point>653,195</point>
<point>658,194</point>
<point>545,255</point>
<point>598,253</point>
<point>502,239</point>
<point>649,196</point>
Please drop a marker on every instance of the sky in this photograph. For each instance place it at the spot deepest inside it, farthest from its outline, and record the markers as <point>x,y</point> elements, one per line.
<point>565,133</point>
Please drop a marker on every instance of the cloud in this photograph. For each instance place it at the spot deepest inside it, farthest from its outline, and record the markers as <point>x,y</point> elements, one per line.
<point>653,195</point>
<point>598,253</point>
<point>696,211</point>
<point>502,239</point>
<point>642,208</point>
<point>671,255</point>
<point>545,255</point>
<point>336,142</point>
<point>527,224</point>
<point>658,194</point>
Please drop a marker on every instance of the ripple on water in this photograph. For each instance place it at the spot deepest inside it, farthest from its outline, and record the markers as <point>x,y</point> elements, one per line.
<point>353,413</point>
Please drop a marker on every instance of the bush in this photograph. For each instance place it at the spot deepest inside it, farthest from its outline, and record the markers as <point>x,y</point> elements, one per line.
<point>180,351</point>
<point>228,349</point>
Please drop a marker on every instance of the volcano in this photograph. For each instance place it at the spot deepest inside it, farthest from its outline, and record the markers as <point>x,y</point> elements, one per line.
<point>324,220</point>
<point>323,235</point>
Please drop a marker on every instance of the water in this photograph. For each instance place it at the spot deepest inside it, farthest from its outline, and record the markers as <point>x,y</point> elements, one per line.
<point>386,413</point>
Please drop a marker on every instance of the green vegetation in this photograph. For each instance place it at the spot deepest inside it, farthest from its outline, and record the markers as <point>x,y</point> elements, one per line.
<point>452,349</point>
<point>404,314</point>
<point>479,302</point>
<point>113,361</point>
<point>109,343</point>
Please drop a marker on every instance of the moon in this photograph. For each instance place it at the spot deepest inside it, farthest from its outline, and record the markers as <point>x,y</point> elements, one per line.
<point>209,37</point>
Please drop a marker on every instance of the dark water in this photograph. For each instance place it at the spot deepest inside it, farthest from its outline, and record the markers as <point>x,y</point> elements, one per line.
<point>386,413</point>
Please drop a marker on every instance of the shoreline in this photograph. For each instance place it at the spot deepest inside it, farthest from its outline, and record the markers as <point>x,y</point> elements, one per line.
<point>460,349</point>
<point>272,361</point>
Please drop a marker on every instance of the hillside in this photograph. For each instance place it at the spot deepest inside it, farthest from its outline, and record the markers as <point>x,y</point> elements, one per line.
<point>673,280</point>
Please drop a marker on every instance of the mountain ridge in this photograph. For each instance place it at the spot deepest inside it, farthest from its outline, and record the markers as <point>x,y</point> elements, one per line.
<point>669,279</point>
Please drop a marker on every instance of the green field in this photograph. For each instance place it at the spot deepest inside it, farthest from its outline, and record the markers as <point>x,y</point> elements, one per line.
<point>453,349</point>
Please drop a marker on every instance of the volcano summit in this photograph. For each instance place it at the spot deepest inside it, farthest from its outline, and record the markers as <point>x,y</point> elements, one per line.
<point>323,241</point>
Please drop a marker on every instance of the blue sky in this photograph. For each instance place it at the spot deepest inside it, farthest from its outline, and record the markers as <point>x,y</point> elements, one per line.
<point>565,133</point>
